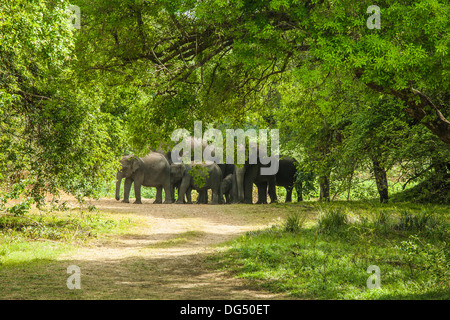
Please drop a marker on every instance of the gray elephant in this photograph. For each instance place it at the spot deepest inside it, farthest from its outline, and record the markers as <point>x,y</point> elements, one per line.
<point>176,176</point>
<point>211,176</point>
<point>226,187</point>
<point>152,170</point>
<point>263,183</point>
<point>287,177</point>
<point>252,173</point>
<point>227,169</point>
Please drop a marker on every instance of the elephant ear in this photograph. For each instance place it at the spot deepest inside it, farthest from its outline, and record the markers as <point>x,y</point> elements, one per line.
<point>135,164</point>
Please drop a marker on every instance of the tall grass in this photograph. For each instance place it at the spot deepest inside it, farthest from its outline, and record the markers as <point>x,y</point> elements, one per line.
<point>294,222</point>
<point>332,220</point>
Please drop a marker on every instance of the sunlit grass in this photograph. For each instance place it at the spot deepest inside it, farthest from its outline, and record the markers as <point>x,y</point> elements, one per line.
<point>328,257</point>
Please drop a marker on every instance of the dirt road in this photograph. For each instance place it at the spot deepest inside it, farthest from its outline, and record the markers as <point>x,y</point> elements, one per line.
<point>163,257</point>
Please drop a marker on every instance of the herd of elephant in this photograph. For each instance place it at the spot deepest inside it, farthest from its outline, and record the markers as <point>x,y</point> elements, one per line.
<point>229,183</point>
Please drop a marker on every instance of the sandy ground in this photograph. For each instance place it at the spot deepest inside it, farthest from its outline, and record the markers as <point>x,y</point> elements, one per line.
<point>163,257</point>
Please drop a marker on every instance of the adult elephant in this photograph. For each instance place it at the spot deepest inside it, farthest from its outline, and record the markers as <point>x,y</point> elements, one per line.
<point>152,170</point>
<point>251,173</point>
<point>287,177</point>
<point>252,176</point>
<point>211,176</point>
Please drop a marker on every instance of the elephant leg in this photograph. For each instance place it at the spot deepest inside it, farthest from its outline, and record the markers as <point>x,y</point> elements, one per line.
<point>248,191</point>
<point>215,196</point>
<point>221,196</point>
<point>240,185</point>
<point>137,193</point>
<point>119,178</point>
<point>172,190</point>
<point>228,198</point>
<point>203,197</point>
<point>262,192</point>
<point>168,194</point>
<point>158,198</point>
<point>185,184</point>
<point>272,190</point>
<point>288,193</point>
<point>188,196</point>
<point>126,190</point>
<point>221,199</point>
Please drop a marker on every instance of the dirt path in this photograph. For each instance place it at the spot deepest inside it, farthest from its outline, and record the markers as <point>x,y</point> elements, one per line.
<point>164,256</point>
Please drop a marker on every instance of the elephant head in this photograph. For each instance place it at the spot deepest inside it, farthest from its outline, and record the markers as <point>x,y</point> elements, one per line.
<point>130,165</point>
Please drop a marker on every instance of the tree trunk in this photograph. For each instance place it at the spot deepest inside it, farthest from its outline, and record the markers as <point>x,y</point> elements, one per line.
<point>381,179</point>
<point>324,183</point>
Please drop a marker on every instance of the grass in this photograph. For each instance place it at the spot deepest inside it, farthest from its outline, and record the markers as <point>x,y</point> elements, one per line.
<point>326,256</point>
<point>31,248</point>
<point>44,236</point>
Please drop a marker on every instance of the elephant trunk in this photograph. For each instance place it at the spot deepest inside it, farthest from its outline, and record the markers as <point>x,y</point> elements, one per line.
<point>119,178</point>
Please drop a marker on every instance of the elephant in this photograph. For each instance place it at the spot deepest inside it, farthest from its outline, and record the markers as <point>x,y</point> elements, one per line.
<point>153,170</point>
<point>226,187</point>
<point>287,177</point>
<point>176,176</point>
<point>227,169</point>
<point>212,181</point>
<point>249,174</point>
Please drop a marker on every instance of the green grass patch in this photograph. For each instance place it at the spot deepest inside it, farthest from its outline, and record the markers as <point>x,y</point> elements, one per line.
<point>327,256</point>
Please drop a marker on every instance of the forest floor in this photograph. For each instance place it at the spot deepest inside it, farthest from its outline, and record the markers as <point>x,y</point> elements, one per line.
<point>162,256</point>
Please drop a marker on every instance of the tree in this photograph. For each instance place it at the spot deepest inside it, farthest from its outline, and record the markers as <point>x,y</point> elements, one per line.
<point>54,133</point>
<point>247,42</point>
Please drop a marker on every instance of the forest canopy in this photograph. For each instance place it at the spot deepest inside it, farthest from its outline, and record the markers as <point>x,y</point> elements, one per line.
<point>349,100</point>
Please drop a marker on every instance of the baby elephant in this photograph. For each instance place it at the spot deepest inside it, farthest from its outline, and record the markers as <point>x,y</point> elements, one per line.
<point>225,187</point>
<point>201,177</point>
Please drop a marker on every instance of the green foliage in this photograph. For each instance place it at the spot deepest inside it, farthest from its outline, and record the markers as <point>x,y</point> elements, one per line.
<point>56,134</point>
<point>343,96</point>
<point>426,257</point>
<point>200,174</point>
